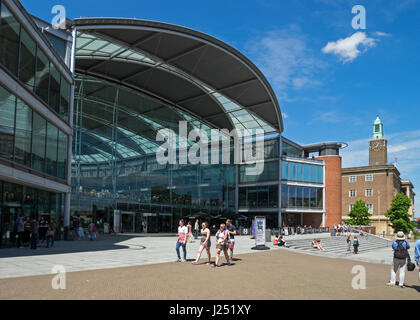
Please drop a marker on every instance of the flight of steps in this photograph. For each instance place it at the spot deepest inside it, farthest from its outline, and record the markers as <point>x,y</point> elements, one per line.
<point>337,245</point>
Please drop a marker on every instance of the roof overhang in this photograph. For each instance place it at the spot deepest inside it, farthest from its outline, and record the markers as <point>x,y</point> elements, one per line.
<point>193,71</point>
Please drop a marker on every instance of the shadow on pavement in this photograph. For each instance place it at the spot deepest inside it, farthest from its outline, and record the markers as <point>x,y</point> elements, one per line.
<point>103,243</point>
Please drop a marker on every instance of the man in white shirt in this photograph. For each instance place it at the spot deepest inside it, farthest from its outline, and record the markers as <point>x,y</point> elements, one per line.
<point>182,241</point>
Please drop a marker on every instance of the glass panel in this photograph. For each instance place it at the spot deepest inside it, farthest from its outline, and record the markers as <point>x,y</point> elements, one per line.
<point>292,196</point>
<point>51,155</point>
<point>314,171</point>
<point>270,173</point>
<point>285,170</point>
<point>65,99</point>
<point>42,76</point>
<point>306,197</point>
<point>23,134</point>
<point>299,197</point>
<point>54,88</point>
<point>299,172</point>
<point>7,121</point>
<point>38,142</point>
<point>9,40</point>
<point>292,171</point>
<point>320,174</point>
<point>307,172</point>
<point>319,198</point>
<point>27,60</point>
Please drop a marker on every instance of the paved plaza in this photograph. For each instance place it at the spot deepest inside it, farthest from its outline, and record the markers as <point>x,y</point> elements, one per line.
<point>127,267</point>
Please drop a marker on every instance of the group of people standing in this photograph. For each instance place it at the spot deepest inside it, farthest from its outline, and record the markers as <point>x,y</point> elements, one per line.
<point>225,241</point>
<point>341,229</point>
<point>34,233</point>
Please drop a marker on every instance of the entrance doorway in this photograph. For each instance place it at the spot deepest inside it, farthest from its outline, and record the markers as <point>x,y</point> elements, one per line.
<point>128,222</point>
<point>150,223</point>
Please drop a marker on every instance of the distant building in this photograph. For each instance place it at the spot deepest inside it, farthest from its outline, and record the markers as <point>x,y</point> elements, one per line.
<point>376,184</point>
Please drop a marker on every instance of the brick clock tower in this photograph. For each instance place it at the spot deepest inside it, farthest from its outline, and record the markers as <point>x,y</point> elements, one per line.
<point>378,150</point>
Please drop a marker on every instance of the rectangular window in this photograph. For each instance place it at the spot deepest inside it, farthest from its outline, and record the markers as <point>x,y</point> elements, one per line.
<point>370,206</point>
<point>351,207</point>
<point>65,99</point>
<point>285,170</point>
<point>7,123</point>
<point>320,174</point>
<point>42,76</point>
<point>23,134</point>
<point>352,179</point>
<point>27,60</point>
<point>307,173</point>
<point>369,193</point>
<point>369,178</point>
<point>51,154</point>
<point>62,155</point>
<point>55,89</point>
<point>9,40</point>
<point>299,172</point>
<point>38,142</point>
<point>352,193</point>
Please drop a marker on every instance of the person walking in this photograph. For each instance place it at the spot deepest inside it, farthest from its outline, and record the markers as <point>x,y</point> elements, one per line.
<point>400,247</point>
<point>417,254</point>
<point>182,241</point>
<point>349,240</point>
<point>205,243</point>
<point>196,229</point>
<point>222,244</point>
<point>27,232</point>
<point>190,235</point>
<point>76,227</point>
<point>20,231</point>
<point>43,228</point>
<point>52,227</point>
<point>92,231</point>
<point>231,242</point>
<point>34,234</point>
<point>356,245</point>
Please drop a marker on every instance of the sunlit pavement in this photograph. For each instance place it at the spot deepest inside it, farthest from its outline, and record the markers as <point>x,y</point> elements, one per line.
<point>125,251</point>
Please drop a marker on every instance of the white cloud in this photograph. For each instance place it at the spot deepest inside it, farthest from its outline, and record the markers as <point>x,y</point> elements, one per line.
<point>347,49</point>
<point>381,34</point>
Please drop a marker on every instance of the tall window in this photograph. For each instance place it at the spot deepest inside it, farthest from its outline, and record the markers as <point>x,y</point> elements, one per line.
<point>27,60</point>
<point>51,154</point>
<point>7,123</point>
<point>369,178</point>
<point>370,207</point>
<point>62,155</point>
<point>369,192</point>
<point>351,207</point>
<point>54,98</point>
<point>352,193</point>
<point>65,99</point>
<point>42,75</point>
<point>352,179</point>
<point>9,40</point>
<point>38,143</point>
<point>23,134</point>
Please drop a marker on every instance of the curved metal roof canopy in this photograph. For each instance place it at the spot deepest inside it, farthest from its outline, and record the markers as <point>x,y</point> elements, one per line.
<point>193,71</point>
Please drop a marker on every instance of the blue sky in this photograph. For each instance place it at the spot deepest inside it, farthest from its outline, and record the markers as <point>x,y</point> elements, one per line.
<point>329,92</point>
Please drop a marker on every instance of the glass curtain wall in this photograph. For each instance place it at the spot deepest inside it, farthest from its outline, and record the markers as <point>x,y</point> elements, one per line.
<point>28,139</point>
<point>17,200</point>
<point>299,197</point>
<point>29,64</point>
<point>114,157</point>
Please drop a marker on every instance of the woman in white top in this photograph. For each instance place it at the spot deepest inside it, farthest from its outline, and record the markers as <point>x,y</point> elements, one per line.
<point>222,244</point>
<point>205,243</point>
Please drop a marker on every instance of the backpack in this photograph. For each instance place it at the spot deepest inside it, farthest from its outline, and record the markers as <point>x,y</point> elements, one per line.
<point>400,252</point>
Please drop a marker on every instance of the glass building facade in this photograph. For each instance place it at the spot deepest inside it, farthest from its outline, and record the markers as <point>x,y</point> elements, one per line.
<point>96,135</point>
<point>34,92</point>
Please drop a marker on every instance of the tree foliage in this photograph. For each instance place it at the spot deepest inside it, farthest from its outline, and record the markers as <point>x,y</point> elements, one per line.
<point>398,214</point>
<point>360,215</point>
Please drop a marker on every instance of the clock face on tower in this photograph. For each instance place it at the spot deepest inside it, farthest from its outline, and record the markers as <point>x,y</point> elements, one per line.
<point>377,145</point>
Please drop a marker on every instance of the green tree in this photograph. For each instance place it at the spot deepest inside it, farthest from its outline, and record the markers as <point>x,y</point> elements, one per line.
<point>398,214</point>
<point>360,215</point>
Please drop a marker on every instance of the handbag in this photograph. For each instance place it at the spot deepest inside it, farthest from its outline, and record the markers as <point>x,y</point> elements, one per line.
<point>410,266</point>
